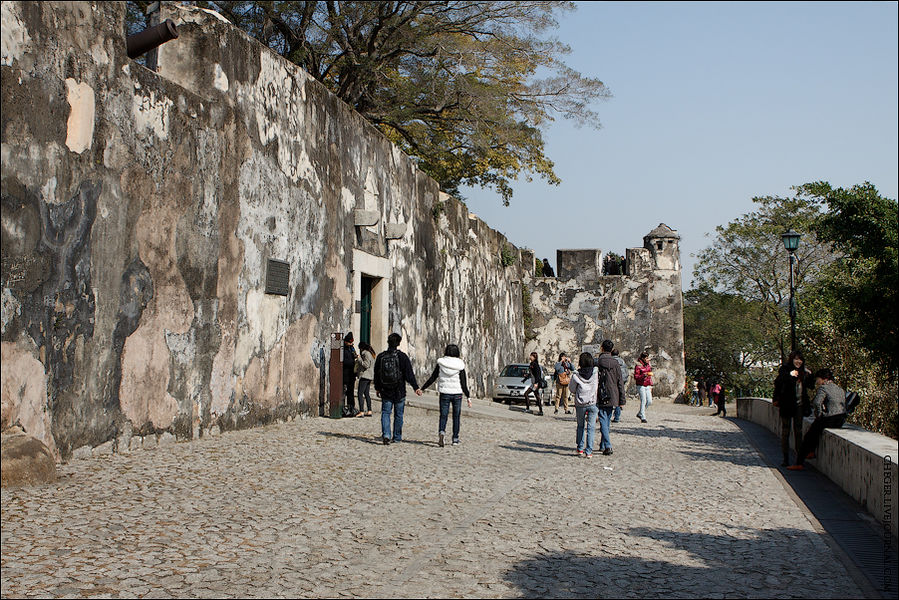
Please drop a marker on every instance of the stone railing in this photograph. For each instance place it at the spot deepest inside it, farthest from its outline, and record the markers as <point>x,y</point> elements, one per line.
<point>861,462</point>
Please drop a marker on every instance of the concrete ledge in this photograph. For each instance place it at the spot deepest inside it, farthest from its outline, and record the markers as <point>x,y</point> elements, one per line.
<point>861,462</point>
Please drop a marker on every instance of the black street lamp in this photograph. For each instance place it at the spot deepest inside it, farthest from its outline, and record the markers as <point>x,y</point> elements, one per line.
<point>791,243</point>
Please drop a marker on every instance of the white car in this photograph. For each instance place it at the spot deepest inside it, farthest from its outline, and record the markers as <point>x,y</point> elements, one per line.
<point>509,385</point>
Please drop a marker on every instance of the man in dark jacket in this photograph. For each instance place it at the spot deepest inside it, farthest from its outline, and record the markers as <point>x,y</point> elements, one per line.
<point>610,394</point>
<point>348,360</point>
<point>393,370</point>
<point>625,374</point>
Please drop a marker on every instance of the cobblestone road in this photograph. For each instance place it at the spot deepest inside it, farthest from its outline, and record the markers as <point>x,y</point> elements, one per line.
<point>319,508</point>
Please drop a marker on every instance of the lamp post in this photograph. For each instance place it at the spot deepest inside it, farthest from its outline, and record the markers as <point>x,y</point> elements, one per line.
<point>791,243</point>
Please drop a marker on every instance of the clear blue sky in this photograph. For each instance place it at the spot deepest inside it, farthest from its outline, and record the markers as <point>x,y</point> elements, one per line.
<point>713,104</point>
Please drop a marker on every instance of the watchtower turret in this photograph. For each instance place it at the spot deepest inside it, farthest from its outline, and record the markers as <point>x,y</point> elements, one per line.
<point>663,244</point>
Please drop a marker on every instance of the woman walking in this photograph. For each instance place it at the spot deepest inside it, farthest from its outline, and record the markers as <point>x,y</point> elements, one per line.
<point>366,366</point>
<point>643,379</point>
<point>720,401</point>
<point>451,384</point>
<point>535,374</point>
<point>583,387</point>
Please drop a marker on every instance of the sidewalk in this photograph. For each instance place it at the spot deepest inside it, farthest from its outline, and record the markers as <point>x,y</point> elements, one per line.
<point>853,532</point>
<point>320,508</point>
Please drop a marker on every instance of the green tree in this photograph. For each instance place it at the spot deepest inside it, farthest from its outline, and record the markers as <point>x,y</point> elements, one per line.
<point>828,342</point>
<point>846,280</point>
<point>747,259</point>
<point>723,341</point>
<point>862,285</point>
<point>464,87</point>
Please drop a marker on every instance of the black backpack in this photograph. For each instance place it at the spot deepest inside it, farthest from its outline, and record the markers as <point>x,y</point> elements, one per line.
<point>852,401</point>
<point>603,397</point>
<point>391,373</point>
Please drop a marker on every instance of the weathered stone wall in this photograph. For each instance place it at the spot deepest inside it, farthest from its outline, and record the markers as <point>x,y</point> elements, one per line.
<point>139,212</point>
<point>640,310</point>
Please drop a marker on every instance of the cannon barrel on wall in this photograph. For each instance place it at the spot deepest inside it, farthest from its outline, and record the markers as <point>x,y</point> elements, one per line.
<point>153,37</point>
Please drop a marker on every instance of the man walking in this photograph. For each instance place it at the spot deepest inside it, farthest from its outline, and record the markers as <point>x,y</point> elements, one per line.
<point>625,374</point>
<point>393,370</point>
<point>610,393</point>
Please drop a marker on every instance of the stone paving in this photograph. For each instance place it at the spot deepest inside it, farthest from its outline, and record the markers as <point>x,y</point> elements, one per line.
<point>320,508</point>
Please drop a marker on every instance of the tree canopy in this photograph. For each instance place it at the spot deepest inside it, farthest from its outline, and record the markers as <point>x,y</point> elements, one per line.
<point>464,87</point>
<point>747,259</point>
<point>847,279</point>
<point>861,287</point>
<point>723,341</point>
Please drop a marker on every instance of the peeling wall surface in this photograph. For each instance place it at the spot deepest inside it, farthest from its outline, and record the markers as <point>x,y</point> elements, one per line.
<point>140,209</point>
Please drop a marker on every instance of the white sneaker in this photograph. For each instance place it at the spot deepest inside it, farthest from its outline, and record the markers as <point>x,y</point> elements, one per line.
<point>440,437</point>
<point>456,442</point>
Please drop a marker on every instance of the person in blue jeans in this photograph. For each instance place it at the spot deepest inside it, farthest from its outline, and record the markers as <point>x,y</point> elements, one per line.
<point>393,370</point>
<point>583,390</point>
<point>625,374</point>
<point>610,393</point>
<point>451,384</point>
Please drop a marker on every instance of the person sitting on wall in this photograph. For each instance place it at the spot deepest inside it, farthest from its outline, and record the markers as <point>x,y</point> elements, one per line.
<point>547,269</point>
<point>830,413</point>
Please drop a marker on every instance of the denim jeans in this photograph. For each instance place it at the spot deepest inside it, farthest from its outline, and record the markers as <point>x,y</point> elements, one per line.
<point>585,415</point>
<point>810,440</point>
<point>364,386</point>
<point>645,392</point>
<point>605,417</point>
<point>445,401</point>
<point>397,407</point>
<point>616,414</point>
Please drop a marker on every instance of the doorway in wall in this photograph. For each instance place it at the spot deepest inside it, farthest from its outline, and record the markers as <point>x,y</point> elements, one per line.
<point>367,285</point>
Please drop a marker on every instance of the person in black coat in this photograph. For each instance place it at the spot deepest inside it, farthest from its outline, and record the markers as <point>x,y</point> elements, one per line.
<point>547,269</point>
<point>792,400</point>
<point>348,361</point>
<point>393,370</point>
<point>535,374</point>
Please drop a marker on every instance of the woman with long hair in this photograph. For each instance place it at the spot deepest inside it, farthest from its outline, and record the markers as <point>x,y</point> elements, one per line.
<point>791,398</point>
<point>535,374</point>
<point>451,384</point>
<point>366,366</point>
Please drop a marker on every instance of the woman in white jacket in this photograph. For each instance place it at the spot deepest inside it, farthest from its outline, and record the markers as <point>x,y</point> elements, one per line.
<point>451,384</point>
<point>583,386</point>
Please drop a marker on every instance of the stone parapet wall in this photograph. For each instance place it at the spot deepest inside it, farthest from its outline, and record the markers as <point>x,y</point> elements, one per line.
<point>861,462</point>
<point>640,310</point>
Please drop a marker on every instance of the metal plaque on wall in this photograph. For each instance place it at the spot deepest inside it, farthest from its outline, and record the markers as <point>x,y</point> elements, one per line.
<point>277,277</point>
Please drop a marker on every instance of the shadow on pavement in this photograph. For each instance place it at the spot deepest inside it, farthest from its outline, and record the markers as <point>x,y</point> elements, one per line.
<point>730,565</point>
<point>857,534</point>
<point>722,446</point>
<point>539,448</point>
<point>368,439</point>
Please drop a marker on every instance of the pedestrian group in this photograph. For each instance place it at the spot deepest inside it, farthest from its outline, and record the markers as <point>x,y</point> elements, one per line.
<point>596,387</point>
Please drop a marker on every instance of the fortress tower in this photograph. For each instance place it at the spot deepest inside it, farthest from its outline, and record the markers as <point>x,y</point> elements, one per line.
<point>639,309</point>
